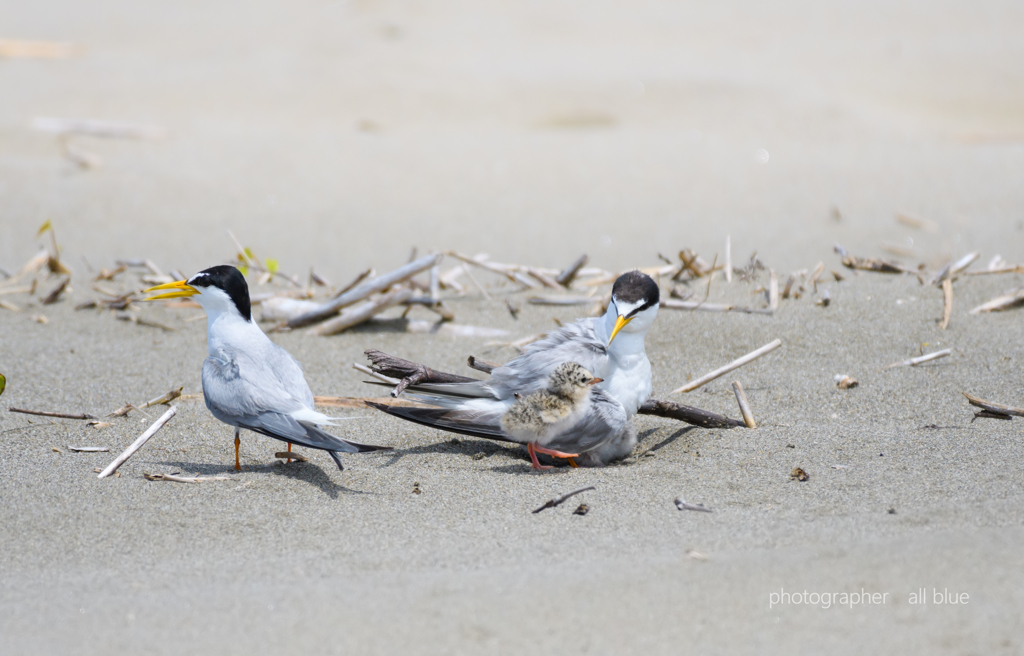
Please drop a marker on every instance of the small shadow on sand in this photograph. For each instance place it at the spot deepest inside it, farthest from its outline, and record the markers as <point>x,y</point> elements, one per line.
<point>668,440</point>
<point>302,471</point>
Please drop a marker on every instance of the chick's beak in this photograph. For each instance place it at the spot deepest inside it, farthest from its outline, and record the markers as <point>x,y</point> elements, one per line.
<point>596,381</point>
<point>619,325</point>
<point>181,287</point>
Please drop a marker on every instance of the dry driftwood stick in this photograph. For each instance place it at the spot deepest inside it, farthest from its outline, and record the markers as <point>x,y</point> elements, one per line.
<point>483,264</point>
<point>872,264</point>
<point>773,291</point>
<point>912,362</point>
<point>435,283</point>
<point>184,479</point>
<point>408,372</point>
<point>567,275</point>
<point>89,449</point>
<point>736,364</point>
<point>137,444</point>
<point>364,290</point>
<point>1000,303</point>
<point>59,415</point>
<point>435,305</point>
<point>699,507</point>
<point>996,408</point>
<point>359,402</point>
<point>673,304</point>
<point>361,313</point>
<point>482,365</point>
<point>741,398</point>
<point>557,501</point>
<point>162,400</point>
<point>947,303</point>
<point>687,414</point>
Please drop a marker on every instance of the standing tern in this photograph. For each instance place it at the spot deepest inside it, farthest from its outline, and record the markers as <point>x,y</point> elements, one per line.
<point>610,346</point>
<point>248,381</point>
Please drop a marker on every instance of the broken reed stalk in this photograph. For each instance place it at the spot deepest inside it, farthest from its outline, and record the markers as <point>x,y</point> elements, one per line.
<point>995,408</point>
<point>137,444</point>
<point>557,501</point>
<point>999,303</point>
<point>947,303</point>
<point>162,400</point>
<point>741,398</point>
<point>912,362</point>
<point>362,291</point>
<point>291,455</point>
<point>953,268</point>
<point>59,415</point>
<point>773,291</point>
<point>361,313</point>
<point>482,365</point>
<point>568,274</point>
<point>728,258</point>
<point>687,414</point>
<point>545,279</point>
<point>736,364</point>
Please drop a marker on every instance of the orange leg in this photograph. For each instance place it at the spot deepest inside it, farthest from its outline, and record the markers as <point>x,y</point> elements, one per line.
<point>289,451</point>
<point>557,454</point>
<point>238,442</point>
<point>532,448</point>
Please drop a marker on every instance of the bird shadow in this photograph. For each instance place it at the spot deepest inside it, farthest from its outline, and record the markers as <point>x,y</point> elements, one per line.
<point>665,442</point>
<point>307,472</point>
<point>479,450</point>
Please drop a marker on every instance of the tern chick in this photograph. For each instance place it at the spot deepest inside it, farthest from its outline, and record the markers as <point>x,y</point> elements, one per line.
<point>537,419</point>
<point>248,381</point>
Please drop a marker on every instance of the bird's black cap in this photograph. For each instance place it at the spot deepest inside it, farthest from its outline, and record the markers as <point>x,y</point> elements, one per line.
<point>229,279</point>
<point>636,287</point>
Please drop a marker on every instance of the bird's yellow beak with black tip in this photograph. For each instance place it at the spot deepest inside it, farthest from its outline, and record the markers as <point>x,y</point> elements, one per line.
<point>182,289</point>
<point>620,323</point>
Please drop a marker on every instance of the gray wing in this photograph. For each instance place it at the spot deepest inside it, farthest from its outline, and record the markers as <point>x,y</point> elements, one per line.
<point>576,342</point>
<point>240,386</point>
<point>604,422</point>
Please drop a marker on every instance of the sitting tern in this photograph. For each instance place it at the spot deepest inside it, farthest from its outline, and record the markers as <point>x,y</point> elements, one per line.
<point>248,381</point>
<point>570,418</point>
<point>610,346</point>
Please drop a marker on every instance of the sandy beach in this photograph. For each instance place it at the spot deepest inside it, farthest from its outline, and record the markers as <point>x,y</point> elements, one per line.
<point>338,137</point>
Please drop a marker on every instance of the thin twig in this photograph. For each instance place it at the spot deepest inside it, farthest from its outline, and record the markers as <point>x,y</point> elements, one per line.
<point>773,291</point>
<point>566,277</point>
<point>361,313</point>
<point>137,444</point>
<point>913,362</point>
<point>736,364</point>
<point>559,500</point>
<point>162,400</point>
<point>997,408</point>
<point>728,258</point>
<point>59,415</point>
